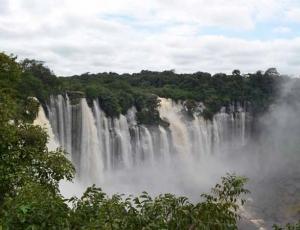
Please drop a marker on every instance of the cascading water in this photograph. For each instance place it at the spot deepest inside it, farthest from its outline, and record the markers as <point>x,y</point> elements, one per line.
<point>100,145</point>
<point>91,158</point>
<point>42,121</point>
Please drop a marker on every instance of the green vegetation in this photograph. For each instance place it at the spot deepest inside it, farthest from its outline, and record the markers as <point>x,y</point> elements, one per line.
<point>30,173</point>
<point>126,90</point>
<point>117,93</point>
<point>288,227</point>
<point>217,211</point>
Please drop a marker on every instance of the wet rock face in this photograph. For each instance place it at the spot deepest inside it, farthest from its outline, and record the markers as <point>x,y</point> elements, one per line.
<point>75,96</point>
<point>95,140</point>
<point>100,145</point>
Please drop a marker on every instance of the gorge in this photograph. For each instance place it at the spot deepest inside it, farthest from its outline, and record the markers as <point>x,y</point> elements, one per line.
<point>161,132</point>
<point>184,156</point>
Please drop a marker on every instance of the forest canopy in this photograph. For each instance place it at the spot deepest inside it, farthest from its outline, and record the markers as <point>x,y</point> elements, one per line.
<point>116,93</point>
<point>30,173</point>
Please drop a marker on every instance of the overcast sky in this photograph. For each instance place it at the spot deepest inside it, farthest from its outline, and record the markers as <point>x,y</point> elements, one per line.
<point>74,36</point>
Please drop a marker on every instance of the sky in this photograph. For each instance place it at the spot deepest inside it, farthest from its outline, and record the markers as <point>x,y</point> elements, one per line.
<point>126,36</point>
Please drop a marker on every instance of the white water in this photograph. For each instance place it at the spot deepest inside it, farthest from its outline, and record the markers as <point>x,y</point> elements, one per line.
<point>42,121</point>
<point>122,156</point>
<point>91,162</point>
<point>186,158</point>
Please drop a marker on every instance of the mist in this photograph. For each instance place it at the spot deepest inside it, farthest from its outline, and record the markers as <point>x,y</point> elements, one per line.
<point>269,158</point>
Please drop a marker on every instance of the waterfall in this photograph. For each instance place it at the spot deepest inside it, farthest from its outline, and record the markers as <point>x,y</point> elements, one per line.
<point>91,161</point>
<point>60,115</point>
<point>171,112</point>
<point>122,130</point>
<point>165,147</point>
<point>100,145</point>
<point>147,145</point>
<point>42,121</point>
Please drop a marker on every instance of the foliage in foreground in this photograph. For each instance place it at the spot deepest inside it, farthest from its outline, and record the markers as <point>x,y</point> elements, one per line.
<point>217,211</point>
<point>30,174</point>
<point>288,227</point>
<point>35,207</point>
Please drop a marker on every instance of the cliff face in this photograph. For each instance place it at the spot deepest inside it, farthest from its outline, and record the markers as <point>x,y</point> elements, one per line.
<point>187,154</point>
<point>98,143</point>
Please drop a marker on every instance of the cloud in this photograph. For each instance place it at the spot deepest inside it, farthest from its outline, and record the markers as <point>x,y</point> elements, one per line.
<point>127,36</point>
<point>282,30</point>
<point>293,15</point>
<point>3,6</point>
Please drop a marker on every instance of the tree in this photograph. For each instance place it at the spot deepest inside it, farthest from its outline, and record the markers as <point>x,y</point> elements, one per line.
<point>37,68</point>
<point>295,226</point>
<point>9,70</point>
<point>236,72</point>
<point>147,106</point>
<point>23,151</point>
<point>219,210</point>
<point>35,207</point>
<point>271,72</point>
